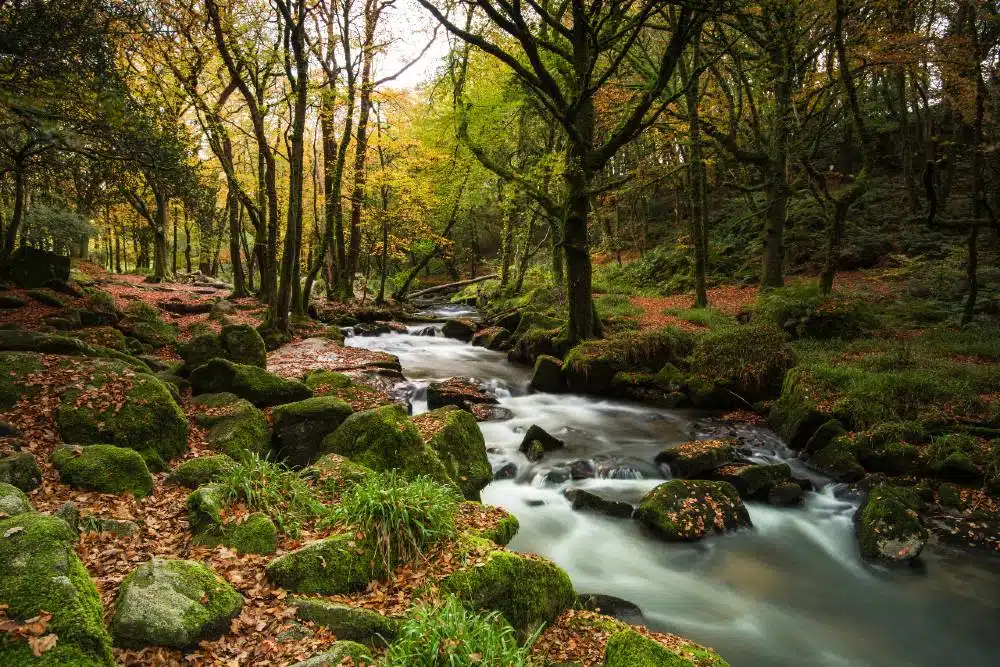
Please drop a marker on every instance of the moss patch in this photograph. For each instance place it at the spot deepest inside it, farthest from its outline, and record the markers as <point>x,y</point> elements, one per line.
<point>103,468</point>
<point>338,564</point>
<point>455,436</point>
<point>250,382</point>
<point>202,470</point>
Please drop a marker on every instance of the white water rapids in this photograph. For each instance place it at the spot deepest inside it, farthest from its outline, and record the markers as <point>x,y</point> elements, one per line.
<point>791,592</point>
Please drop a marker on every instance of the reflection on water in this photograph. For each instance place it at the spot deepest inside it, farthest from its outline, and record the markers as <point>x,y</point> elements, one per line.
<point>790,592</point>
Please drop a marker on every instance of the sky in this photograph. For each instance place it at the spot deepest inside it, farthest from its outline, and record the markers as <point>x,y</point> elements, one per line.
<point>410,27</point>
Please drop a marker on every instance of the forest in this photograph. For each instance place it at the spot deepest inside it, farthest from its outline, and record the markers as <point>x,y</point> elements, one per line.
<point>490,332</point>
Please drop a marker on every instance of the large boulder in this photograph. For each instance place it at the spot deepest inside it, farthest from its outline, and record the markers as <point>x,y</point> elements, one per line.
<point>103,468</point>
<point>839,460</point>
<point>173,603</point>
<point>689,510</point>
<point>243,344</point>
<point>235,427</point>
<point>695,458</point>
<point>385,439</point>
<point>345,622</point>
<point>492,338</point>
<point>299,428</point>
<point>21,470</point>
<point>754,480</point>
<point>250,382</point>
<point>12,500</point>
<point>256,534</point>
<point>628,648</point>
<point>331,566</point>
<point>201,349</point>
<point>113,404</point>
<point>585,501</point>
<point>591,366</point>
<point>40,572</point>
<point>201,470</point>
<point>461,329</point>
<point>464,393</point>
<point>548,375</point>
<point>889,527</point>
<point>30,267</point>
<point>528,592</point>
<point>455,436</point>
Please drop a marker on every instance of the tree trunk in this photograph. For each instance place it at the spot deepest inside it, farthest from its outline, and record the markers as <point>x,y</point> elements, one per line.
<point>360,175</point>
<point>235,232</point>
<point>20,188</point>
<point>697,179</point>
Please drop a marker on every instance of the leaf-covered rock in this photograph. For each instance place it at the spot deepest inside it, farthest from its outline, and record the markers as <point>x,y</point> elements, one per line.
<point>331,566</point>
<point>628,648</point>
<point>455,436</point>
<point>695,458</point>
<point>889,527</point>
<point>689,510</point>
<point>235,427</point>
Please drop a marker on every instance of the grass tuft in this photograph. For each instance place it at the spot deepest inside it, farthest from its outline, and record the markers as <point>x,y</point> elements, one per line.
<point>273,488</point>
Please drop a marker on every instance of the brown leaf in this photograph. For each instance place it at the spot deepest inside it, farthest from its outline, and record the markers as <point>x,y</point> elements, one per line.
<point>40,645</point>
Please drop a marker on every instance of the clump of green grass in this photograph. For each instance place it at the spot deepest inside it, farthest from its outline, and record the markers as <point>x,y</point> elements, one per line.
<point>750,359</point>
<point>616,305</point>
<point>706,317</point>
<point>402,516</point>
<point>804,312</point>
<point>273,488</point>
<point>143,312</point>
<point>449,635</point>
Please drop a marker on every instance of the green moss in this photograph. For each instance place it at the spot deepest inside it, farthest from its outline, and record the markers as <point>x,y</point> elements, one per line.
<point>12,500</point>
<point>329,380</point>
<point>796,415</point>
<point>108,337</point>
<point>526,591</point>
<point>172,603</point>
<point>202,470</point>
<point>839,460</point>
<point>501,533</point>
<point>548,374</point>
<point>754,480</point>
<point>147,418</point>
<point>748,360</point>
<point>335,565</point>
<point>300,427</point>
<point>350,623</point>
<point>627,648</point>
<point>21,470</point>
<point>333,474</point>
<point>256,535</point>
<point>459,444</point>
<point>250,382</point>
<point>687,510</point>
<point>40,571</point>
<point>103,468</point>
<point>889,527</point>
<point>824,435</point>
<point>243,345</point>
<point>15,367</point>
<point>384,439</point>
<point>235,427</point>
<point>200,349</point>
<point>951,496</point>
<point>591,366</point>
<point>955,456</point>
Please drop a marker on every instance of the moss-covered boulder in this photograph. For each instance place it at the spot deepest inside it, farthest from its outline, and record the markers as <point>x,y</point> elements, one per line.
<point>255,534</point>
<point>753,480</point>
<point>346,622</point>
<point>144,325</point>
<point>628,648</point>
<point>526,591</point>
<point>340,653</point>
<point>299,428</point>
<point>385,439</point>
<point>12,500</point>
<point>331,566</point>
<point>591,366</point>
<point>102,336</point>
<point>455,436</point>
<point>839,460</point>
<point>103,468</point>
<point>40,572</point>
<point>585,501</point>
<point>235,427</point>
<point>21,470</point>
<point>957,457</point>
<point>16,369</point>
<point>696,458</point>
<point>492,338</point>
<point>689,510</point>
<point>889,527</point>
<point>798,412</point>
<point>201,349</point>
<point>548,375</point>
<point>323,382</point>
<point>101,524</point>
<point>243,344</point>
<point>173,603</point>
<point>334,474</point>
<point>202,470</point>
<point>461,329</point>
<point>115,405</point>
<point>31,267</point>
<point>250,382</point>
<point>747,360</point>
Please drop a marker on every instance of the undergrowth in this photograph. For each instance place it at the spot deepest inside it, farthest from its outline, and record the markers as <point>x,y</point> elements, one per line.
<point>273,488</point>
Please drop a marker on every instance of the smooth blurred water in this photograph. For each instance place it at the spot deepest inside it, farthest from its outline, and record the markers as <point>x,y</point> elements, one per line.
<point>792,591</point>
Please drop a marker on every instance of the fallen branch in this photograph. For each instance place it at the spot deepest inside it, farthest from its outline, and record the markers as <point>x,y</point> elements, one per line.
<point>449,286</point>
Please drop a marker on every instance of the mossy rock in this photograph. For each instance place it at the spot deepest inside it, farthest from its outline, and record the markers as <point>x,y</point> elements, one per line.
<point>824,435</point>
<point>747,360</point>
<point>243,344</point>
<point>502,532</point>
<point>21,470</point>
<point>628,648</point>
<point>47,343</point>
<point>591,366</point>
<point>689,510</point>
<point>11,301</point>
<point>101,524</point>
<point>103,336</point>
<point>40,571</point>
<point>839,460</point>
<point>146,418</point>
<point>250,382</point>
<point>15,369</point>
<point>202,470</point>
<point>346,622</point>
<point>13,501</point>
<point>528,592</point>
<point>340,653</point>
<point>754,480</point>
<point>548,375</point>
<point>299,428</point>
<point>31,267</point>
<point>492,338</point>
<point>47,298</point>
<point>797,414</point>
<point>956,457</point>
<point>103,468</point>
<point>257,534</point>
<point>950,495</point>
<point>889,527</point>
<point>455,436</point>
<point>201,349</point>
<point>460,329</point>
<point>153,333</point>
<point>172,603</point>
<point>698,457</point>
<point>322,382</point>
<point>235,427</point>
<point>331,566</point>
<point>385,439</point>
<point>333,474</point>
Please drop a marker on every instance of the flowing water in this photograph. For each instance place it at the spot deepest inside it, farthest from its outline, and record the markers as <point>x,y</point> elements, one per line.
<point>792,591</point>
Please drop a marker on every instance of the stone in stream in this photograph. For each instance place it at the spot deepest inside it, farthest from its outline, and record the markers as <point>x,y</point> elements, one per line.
<point>785,494</point>
<point>492,338</point>
<point>585,501</point>
<point>610,605</point>
<point>548,375</point>
<point>506,471</point>
<point>689,510</point>
<point>454,435</point>
<point>465,393</point>
<point>753,480</point>
<point>695,458</point>
<point>889,527</point>
<point>460,329</point>
<point>537,441</point>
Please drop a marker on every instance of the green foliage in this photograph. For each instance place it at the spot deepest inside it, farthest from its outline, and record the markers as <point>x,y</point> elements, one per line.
<point>51,219</point>
<point>403,517</point>
<point>663,270</point>
<point>449,635</point>
<point>708,317</point>
<point>271,488</point>
<point>750,360</point>
<point>804,312</point>
<point>615,305</point>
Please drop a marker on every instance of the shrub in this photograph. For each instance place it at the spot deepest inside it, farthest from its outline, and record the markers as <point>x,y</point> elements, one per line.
<point>402,517</point>
<point>271,488</point>
<point>449,635</point>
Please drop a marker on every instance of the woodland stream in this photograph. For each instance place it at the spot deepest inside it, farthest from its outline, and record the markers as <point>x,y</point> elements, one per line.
<point>792,591</point>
